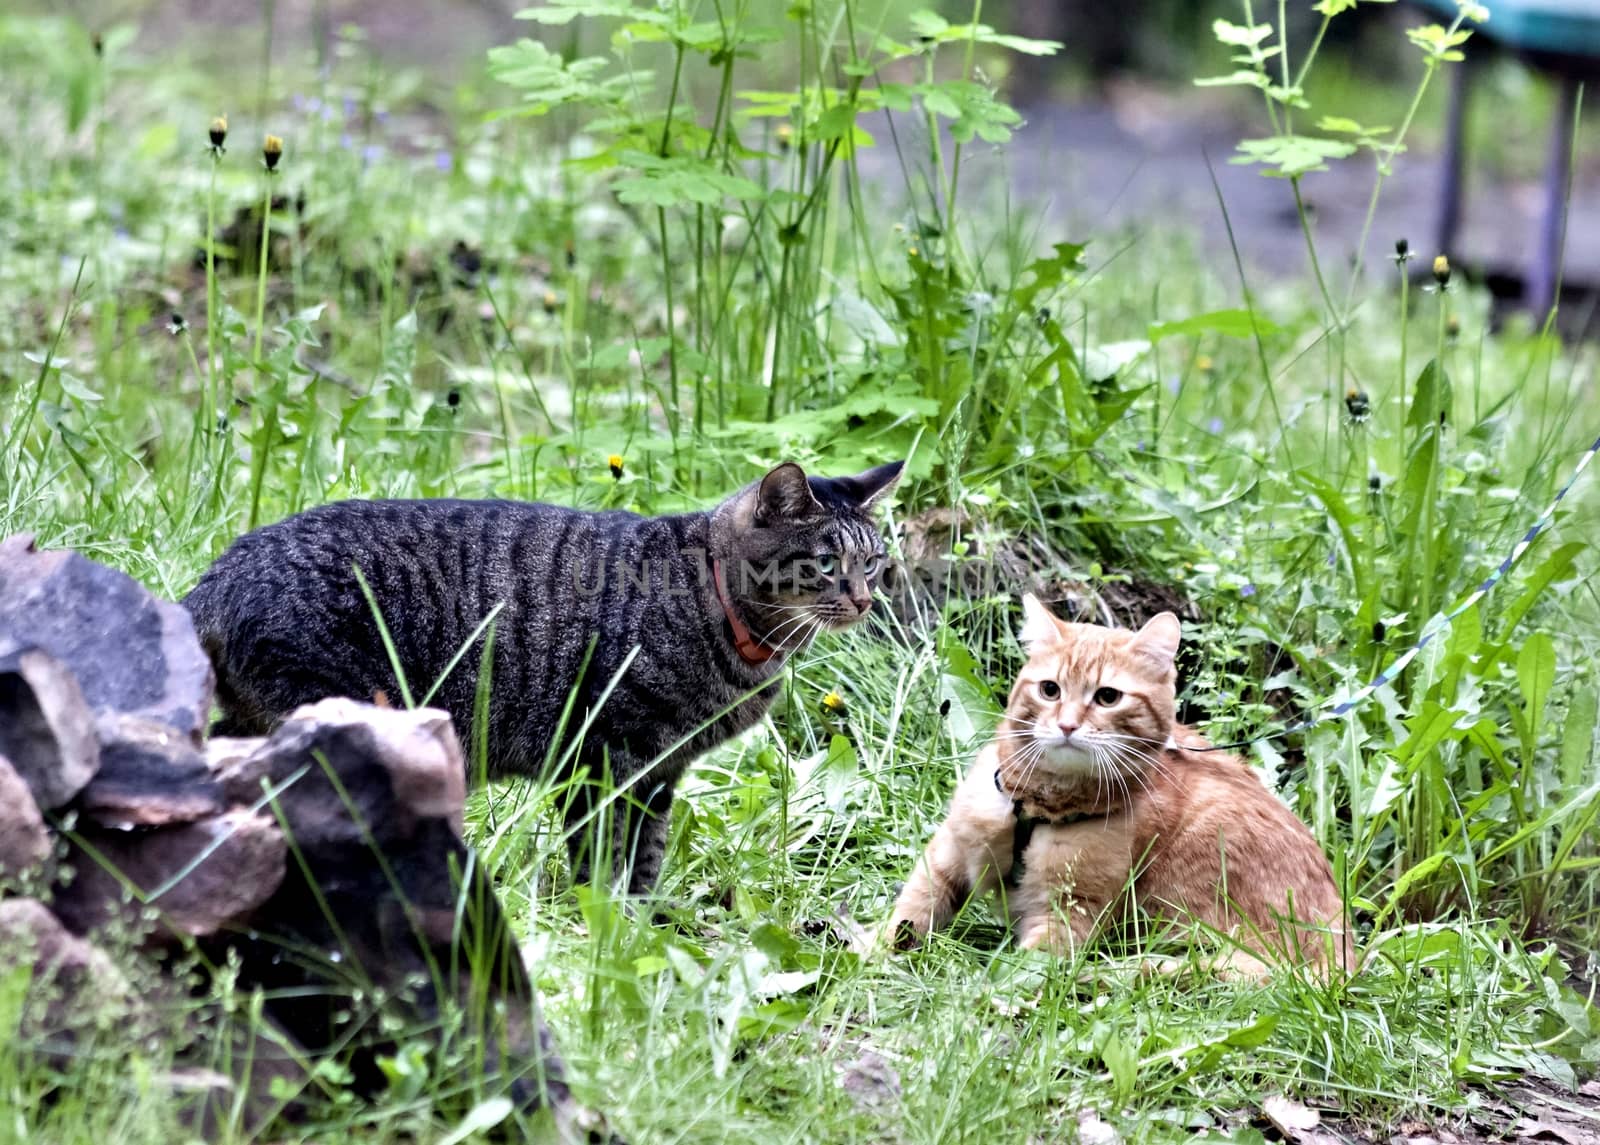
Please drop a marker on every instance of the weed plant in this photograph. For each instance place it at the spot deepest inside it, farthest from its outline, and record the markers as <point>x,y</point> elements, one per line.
<point>631,279</point>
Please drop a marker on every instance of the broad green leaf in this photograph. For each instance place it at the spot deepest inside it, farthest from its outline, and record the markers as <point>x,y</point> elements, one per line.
<point>76,387</point>
<point>1536,673</point>
<point>1578,736</point>
<point>1428,729</point>
<point>1229,323</point>
<point>1554,567</point>
<point>1431,398</point>
<point>1240,35</point>
<point>1290,155</point>
<point>479,1119</point>
<point>1241,77</point>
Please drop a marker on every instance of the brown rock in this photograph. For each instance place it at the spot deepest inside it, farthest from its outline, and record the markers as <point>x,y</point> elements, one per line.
<point>238,766</point>
<point>24,843</point>
<point>46,728</point>
<point>75,985</point>
<point>201,877</point>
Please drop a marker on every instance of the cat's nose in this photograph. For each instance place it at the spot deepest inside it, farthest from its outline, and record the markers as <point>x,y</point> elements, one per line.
<point>862,602</point>
<point>1067,728</point>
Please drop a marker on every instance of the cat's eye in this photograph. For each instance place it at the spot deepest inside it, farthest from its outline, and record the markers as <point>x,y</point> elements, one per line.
<point>1106,697</point>
<point>827,563</point>
<point>1049,689</point>
<point>874,564</point>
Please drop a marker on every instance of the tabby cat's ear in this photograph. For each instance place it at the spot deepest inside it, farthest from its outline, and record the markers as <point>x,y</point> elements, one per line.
<point>1158,640</point>
<point>785,495</point>
<point>877,483</point>
<point>1039,624</point>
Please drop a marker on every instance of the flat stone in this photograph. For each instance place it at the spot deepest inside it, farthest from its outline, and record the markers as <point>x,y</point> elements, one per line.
<point>24,842</point>
<point>398,770</point>
<point>131,653</point>
<point>150,775</point>
<point>46,728</point>
<point>202,878</point>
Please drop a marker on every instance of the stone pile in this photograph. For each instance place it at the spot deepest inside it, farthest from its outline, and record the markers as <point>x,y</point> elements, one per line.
<point>323,867</point>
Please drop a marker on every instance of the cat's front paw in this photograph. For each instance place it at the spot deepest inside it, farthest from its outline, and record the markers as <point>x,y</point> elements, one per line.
<point>902,934</point>
<point>1051,934</point>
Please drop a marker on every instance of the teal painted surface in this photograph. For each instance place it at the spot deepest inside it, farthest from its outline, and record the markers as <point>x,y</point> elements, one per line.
<point>1568,26</point>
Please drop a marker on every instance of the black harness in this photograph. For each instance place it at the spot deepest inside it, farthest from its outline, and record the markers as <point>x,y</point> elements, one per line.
<point>1022,833</point>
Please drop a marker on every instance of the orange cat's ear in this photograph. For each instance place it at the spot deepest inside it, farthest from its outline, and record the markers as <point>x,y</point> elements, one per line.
<point>1039,624</point>
<point>1158,639</point>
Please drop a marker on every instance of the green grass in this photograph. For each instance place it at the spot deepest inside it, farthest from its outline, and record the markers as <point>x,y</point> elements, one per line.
<point>667,277</point>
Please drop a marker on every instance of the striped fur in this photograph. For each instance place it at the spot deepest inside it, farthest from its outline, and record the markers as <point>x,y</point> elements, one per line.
<point>285,622</point>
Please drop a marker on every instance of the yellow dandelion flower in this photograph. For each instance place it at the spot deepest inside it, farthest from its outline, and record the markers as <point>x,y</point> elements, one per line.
<point>1441,270</point>
<point>271,152</point>
<point>219,131</point>
<point>615,462</point>
<point>834,703</point>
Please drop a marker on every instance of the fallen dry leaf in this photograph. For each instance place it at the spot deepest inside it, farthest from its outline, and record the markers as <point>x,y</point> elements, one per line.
<point>1093,1131</point>
<point>1291,1118</point>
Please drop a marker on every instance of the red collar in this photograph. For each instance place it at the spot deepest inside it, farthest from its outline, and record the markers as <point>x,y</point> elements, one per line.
<point>750,650</point>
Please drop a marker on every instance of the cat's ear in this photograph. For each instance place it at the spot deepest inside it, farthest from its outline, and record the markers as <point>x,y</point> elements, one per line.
<point>785,495</point>
<point>876,484</point>
<point>1158,640</point>
<point>1039,624</point>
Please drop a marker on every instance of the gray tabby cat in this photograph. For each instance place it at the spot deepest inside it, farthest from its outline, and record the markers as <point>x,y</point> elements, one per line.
<point>713,601</point>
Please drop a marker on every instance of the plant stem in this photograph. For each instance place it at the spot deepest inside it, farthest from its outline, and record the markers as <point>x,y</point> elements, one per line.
<point>269,424</point>
<point>211,296</point>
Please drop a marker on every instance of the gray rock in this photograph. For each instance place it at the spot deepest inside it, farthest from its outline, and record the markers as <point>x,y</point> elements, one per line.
<point>46,728</point>
<point>372,798</point>
<point>150,776</point>
<point>24,843</point>
<point>130,652</point>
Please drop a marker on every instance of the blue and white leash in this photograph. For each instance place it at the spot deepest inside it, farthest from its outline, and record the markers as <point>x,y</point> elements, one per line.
<point>1388,674</point>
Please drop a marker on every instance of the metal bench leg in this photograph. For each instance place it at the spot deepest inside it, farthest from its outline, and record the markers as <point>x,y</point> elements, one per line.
<point>1450,192</point>
<point>1541,291</point>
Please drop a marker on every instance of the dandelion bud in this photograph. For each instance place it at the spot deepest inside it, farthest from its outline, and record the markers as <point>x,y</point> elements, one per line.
<point>271,152</point>
<point>1452,327</point>
<point>551,302</point>
<point>944,707</point>
<point>177,324</point>
<point>572,255</point>
<point>219,131</point>
<point>615,463</point>
<point>1402,250</point>
<point>453,399</point>
<point>1441,271</point>
<point>1379,631</point>
<point>1375,483</point>
<point>785,137</point>
<point>1358,404</point>
<point>834,704</point>
<point>98,44</point>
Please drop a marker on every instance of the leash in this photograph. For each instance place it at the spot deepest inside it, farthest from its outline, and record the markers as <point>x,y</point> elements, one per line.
<point>1433,628</point>
<point>1022,833</point>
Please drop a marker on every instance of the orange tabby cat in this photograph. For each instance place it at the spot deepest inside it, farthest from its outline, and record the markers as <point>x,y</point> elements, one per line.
<point>1084,805</point>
